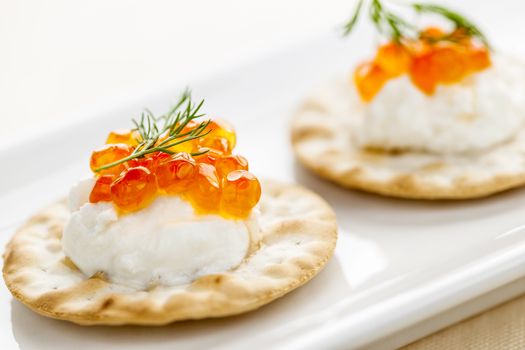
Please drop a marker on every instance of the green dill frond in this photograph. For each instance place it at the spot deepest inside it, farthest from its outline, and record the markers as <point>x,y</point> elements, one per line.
<point>395,28</point>
<point>170,125</point>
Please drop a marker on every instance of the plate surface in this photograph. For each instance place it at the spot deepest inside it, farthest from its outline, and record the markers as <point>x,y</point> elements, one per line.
<point>397,262</point>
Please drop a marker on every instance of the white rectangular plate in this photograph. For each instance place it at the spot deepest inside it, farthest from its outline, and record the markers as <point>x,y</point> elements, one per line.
<point>397,263</point>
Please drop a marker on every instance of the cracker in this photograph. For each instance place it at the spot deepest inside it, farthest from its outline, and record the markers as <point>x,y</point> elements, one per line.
<point>299,233</point>
<point>322,141</point>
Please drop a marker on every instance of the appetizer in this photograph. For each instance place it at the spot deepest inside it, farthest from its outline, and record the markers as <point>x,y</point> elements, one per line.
<point>171,226</point>
<point>435,113</point>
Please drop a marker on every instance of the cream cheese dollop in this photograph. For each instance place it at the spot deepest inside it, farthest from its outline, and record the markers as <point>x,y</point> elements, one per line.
<point>163,244</point>
<point>482,111</point>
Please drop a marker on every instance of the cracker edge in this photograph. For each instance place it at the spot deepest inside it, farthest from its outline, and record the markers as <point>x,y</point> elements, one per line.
<point>405,185</point>
<point>118,309</point>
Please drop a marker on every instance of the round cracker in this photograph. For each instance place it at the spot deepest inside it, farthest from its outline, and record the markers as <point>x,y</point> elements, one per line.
<point>322,140</point>
<point>298,237</point>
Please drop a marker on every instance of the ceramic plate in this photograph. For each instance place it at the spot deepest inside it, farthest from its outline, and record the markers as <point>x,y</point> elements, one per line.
<point>398,264</point>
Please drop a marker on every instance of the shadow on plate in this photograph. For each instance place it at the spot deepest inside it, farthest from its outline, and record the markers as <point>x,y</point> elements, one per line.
<point>354,207</point>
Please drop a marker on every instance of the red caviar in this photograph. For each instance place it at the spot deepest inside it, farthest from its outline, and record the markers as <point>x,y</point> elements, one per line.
<point>126,136</point>
<point>134,189</point>
<point>150,161</point>
<point>101,191</point>
<point>429,61</point>
<point>227,164</point>
<point>393,59</point>
<point>188,147</point>
<point>213,182</point>
<point>478,59</point>
<point>240,193</point>
<point>422,73</point>
<point>205,191</point>
<point>175,174</point>
<point>108,154</point>
<point>221,136</point>
<point>369,79</point>
<point>434,33</point>
<point>210,157</point>
<point>449,62</point>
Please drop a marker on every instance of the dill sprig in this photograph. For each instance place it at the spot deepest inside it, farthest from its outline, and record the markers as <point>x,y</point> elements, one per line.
<point>386,22</point>
<point>349,26</point>
<point>459,21</point>
<point>395,28</point>
<point>173,124</point>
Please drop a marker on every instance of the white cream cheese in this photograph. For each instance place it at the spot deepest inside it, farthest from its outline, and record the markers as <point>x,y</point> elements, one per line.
<point>483,110</point>
<point>165,243</point>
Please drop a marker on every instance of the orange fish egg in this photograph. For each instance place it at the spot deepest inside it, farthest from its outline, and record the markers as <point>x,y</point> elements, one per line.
<point>205,191</point>
<point>145,162</point>
<point>432,33</point>
<point>227,164</point>
<point>435,58</point>
<point>134,189</point>
<point>108,154</point>
<point>241,191</point>
<point>448,63</point>
<point>461,37</point>
<point>221,136</point>
<point>369,78</point>
<point>186,146</point>
<point>134,184</point>
<point>422,73</point>
<point>175,174</point>
<point>126,136</point>
<point>478,59</point>
<point>210,157</point>
<point>150,161</point>
<point>101,190</point>
<point>393,59</point>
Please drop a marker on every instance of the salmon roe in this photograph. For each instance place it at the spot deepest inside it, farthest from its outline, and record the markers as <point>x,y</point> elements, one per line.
<point>428,61</point>
<point>210,157</point>
<point>221,136</point>
<point>108,154</point>
<point>134,189</point>
<point>369,79</point>
<point>187,147</point>
<point>175,174</point>
<point>241,191</point>
<point>101,191</point>
<point>205,191</point>
<point>215,181</point>
<point>126,136</point>
<point>227,164</point>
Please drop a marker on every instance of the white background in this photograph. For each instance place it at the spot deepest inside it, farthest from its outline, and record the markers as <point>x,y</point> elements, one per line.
<point>61,57</point>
